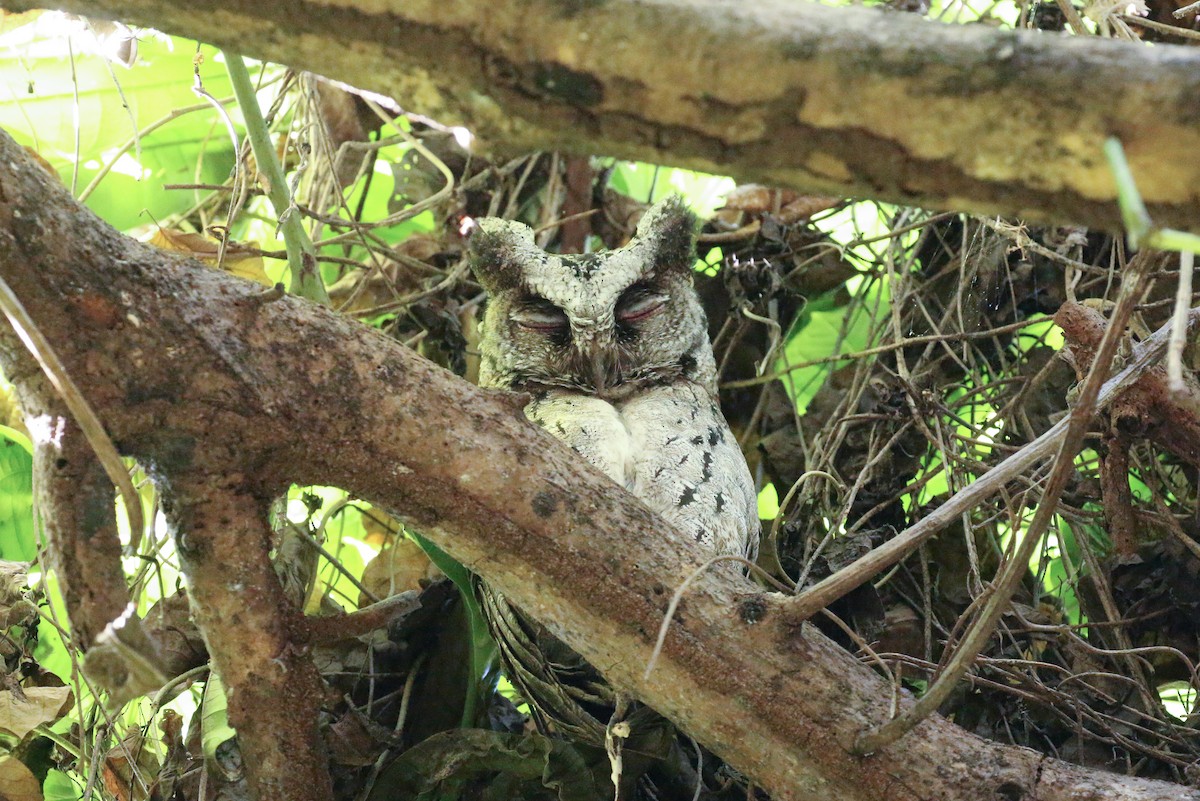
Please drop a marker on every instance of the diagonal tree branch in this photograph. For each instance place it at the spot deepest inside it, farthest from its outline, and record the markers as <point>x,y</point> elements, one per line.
<point>227,397</point>
<point>842,101</point>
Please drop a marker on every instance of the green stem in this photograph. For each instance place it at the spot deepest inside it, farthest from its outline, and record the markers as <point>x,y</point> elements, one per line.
<point>1134,215</point>
<point>1170,239</point>
<point>483,650</point>
<point>306,278</point>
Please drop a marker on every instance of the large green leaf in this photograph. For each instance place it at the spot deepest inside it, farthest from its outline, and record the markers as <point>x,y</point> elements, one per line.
<point>61,787</point>
<point>17,541</point>
<point>46,69</point>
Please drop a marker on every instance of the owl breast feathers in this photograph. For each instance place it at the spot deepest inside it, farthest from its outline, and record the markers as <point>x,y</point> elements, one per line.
<point>613,346</point>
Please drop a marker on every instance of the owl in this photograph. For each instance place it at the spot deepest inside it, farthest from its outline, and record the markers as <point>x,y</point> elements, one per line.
<point>613,349</point>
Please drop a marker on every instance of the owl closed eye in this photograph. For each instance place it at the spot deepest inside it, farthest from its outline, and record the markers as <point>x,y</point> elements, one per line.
<point>613,347</point>
<point>599,322</point>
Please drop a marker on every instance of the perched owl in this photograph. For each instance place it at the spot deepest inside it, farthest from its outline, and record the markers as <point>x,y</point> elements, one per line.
<point>613,347</point>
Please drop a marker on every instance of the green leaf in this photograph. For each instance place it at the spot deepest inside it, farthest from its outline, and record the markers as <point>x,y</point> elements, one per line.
<point>51,652</point>
<point>61,787</point>
<point>17,540</point>
<point>217,737</point>
<point>44,82</point>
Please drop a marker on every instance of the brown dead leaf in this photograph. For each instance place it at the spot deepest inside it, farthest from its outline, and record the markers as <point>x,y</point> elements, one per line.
<point>15,607</point>
<point>350,743</point>
<point>130,768</point>
<point>116,41</point>
<point>397,568</point>
<point>19,716</point>
<point>17,782</point>
<point>759,199</point>
<point>381,529</point>
<point>342,115</point>
<point>14,578</point>
<point>241,259</point>
<point>787,205</point>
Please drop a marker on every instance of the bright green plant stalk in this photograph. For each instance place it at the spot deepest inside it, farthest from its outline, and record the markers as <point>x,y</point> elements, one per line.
<point>1136,219</point>
<point>302,262</point>
<point>483,648</point>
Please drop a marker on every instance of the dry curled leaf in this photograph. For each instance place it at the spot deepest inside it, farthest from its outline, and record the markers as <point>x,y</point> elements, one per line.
<point>15,607</point>
<point>17,782</point>
<point>242,260</point>
<point>787,205</point>
<point>21,714</point>
<point>381,529</point>
<point>130,767</point>
<point>400,567</point>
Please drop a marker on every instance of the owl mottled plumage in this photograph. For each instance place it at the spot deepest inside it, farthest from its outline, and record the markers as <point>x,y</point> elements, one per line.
<point>613,347</point>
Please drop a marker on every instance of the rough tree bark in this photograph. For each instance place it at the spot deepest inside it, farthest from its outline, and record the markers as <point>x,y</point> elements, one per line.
<point>228,395</point>
<point>841,101</point>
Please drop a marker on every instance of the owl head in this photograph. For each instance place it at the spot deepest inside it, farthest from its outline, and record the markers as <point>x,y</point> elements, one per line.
<point>603,323</point>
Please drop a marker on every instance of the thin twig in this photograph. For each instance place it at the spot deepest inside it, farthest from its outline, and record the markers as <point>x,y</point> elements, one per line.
<point>329,629</point>
<point>1190,8</point>
<point>875,351</point>
<point>1071,14</point>
<point>825,592</point>
<point>129,144</point>
<point>1183,299</point>
<point>1018,563</point>
<point>1160,27</point>
<point>398,729</point>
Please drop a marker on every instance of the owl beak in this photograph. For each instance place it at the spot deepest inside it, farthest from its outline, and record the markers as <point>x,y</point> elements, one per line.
<point>595,359</point>
<point>600,371</point>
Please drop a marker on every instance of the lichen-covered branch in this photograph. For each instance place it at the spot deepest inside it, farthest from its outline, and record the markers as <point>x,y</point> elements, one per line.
<point>255,635</point>
<point>76,498</point>
<point>228,396</point>
<point>843,101</point>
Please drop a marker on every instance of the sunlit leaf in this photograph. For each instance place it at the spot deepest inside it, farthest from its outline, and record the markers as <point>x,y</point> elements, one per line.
<point>241,259</point>
<point>60,787</point>
<point>37,68</point>
<point>17,541</point>
<point>19,716</point>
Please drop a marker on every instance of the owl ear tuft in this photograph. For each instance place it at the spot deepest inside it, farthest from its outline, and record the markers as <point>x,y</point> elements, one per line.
<point>669,228</point>
<point>496,251</point>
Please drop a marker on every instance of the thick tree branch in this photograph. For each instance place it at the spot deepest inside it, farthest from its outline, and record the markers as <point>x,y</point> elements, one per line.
<point>76,495</point>
<point>286,391</point>
<point>256,637</point>
<point>841,101</point>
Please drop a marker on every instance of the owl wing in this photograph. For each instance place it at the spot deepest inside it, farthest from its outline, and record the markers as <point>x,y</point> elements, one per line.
<point>690,469</point>
<point>671,447</point>
<point>593,427</point>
